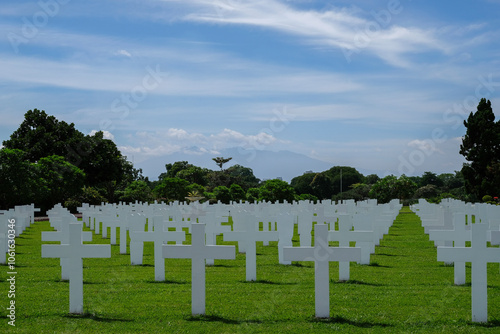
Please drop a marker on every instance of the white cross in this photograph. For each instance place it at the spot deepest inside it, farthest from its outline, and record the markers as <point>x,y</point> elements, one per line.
<point>213,220</point>
<point>159,236</point>
<point>285,229</point>
<point>198,252</point>
<point>4,228</point>
<point>113,222</point>
<point>136,223</point>
<point>322,255</point>
<point>479,255</point>
<point>495,237</point>
<point>74,251</point>
<point>344,236</point>
<point>458,236</point>
<point>63,237</point>
<point>249,237</point>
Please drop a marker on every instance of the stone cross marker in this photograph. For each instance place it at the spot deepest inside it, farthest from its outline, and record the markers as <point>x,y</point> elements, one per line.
<point>344,236</point>
<point>249,237</point>
<point>479,255</point>
<point>198,251</point>
<point>285,229</point>
<point>213,220</point>
<point>136,223</point>
<point>161,235</point>
<point>75,251</point>
<point>458,236</point>
<point>63,237</point>
<point>322,255</point>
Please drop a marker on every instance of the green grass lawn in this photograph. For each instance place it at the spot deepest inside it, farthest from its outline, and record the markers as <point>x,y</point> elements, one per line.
<point>404,290</point>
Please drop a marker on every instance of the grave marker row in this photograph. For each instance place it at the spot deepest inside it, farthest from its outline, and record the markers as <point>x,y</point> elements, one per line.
<point>459,223</point>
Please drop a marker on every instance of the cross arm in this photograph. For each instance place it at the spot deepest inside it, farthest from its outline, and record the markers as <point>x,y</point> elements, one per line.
<point>219,252</point>
<point>177,251</point>
<point>298,253</point>
<point>141,236</point>
<point>454,254</point>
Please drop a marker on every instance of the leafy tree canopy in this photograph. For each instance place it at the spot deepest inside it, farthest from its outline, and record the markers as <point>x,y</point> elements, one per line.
<point>173,169</point>
<point>243,176</point>
<point>481,147</point>
<point>276,191</point>
<point>220,161</point>
<point>17,178</point>
<point>391,187</point>
<point>429,178</point>
<point>302,183</point>
<point>41,135</point>
<point>172,189</point>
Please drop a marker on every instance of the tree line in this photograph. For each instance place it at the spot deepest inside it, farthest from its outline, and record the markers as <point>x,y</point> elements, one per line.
<point>47,161</point>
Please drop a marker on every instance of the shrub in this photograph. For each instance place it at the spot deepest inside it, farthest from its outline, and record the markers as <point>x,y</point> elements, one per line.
<point>487,198</point>
<point>222,194</point>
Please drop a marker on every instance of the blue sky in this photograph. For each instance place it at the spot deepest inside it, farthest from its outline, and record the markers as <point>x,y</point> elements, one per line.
<point>382,86</point>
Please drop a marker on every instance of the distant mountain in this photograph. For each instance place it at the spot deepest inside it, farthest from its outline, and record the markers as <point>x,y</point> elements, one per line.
<point>265,164</point>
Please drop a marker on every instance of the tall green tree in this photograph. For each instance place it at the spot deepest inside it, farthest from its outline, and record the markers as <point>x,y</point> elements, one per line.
<point>222,194</point>
<point>137,191</point>
<point>430,178</point>
<point>302,183</point>
<point>391,187</point>
<point>276,191</point>
<point>237,192</point>
<point>41,135</point>
<point>481,148</point>
<point>58,180</point>
<point>49,181</point>
<point>194,174</point>
<point>173,169</point>
<point>103,164</point>
<point>172,189</point>
<point>18,180</point>
<point>220,161</point>
<point>342,178</point>
<point>243,176</point>
<point>322,186</point>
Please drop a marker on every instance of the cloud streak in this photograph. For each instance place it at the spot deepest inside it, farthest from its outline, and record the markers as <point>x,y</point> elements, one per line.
<point>151,144</point>
<point>338,28</point>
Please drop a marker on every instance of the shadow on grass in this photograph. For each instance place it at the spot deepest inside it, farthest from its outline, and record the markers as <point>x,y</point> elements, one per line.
<point>220,266</point>
<point>60,280</point>
<point>489,324</point>
<point>300,265</point>
<point>265,281</point>
<point>17,265</point>
<point>167,281</point>
<point>356,282</point>
<point>342,320</point>
<point>95,317</point>
<point>391,255</point>
<point>216,318</point>
<point>376,264</point>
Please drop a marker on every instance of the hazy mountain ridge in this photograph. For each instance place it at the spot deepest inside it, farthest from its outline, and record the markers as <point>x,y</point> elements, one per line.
<point>265,164</point>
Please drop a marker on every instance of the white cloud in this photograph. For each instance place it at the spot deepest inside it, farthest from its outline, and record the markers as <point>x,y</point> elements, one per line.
<point>426,146</point>
<point>123,53</point>
<point>106,134</point>
<point>338,28</point>
<point>149,144</point>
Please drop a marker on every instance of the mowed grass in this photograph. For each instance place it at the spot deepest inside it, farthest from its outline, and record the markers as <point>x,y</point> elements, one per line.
<point>404,290</point>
